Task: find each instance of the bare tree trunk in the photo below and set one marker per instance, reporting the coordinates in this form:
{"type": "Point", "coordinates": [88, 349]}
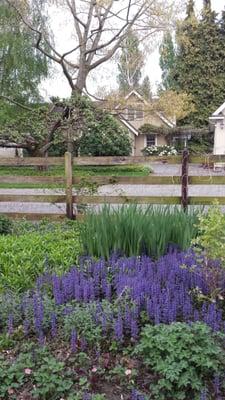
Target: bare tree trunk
{"type": "Point", "coordinates": [38, 153]}
{"type": "Point", "coordinates": [81, 79]}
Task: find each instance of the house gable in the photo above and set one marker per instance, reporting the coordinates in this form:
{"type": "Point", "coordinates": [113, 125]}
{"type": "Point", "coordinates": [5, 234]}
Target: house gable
{"type": "Point", "coordinates": [218, 116]}
{"type": "Point", "coordinates": [219, 111]}
{"type": "Point", "coordinates": [148, 116]}
{"type": "Point", "coordinates": [140, 114]}
{"type": "Point", "coordinates": [135, 97]}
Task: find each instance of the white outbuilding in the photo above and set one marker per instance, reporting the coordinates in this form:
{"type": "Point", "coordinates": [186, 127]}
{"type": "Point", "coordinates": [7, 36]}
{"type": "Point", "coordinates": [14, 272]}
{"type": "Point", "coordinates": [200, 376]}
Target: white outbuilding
{"type": "Point", "coordinates": [218, 120]}
{"type": "Point", "coordinates": [6, 152]}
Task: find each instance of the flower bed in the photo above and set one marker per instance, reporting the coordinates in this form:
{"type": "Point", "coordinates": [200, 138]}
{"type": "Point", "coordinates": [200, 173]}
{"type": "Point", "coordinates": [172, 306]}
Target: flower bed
{"type": "Point", "coordinates": [97, 311]}
{"type": "Point", "coordinates": [163, 150]}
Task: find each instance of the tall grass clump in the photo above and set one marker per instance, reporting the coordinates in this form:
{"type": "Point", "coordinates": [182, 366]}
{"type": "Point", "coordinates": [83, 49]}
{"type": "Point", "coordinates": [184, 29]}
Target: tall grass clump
{"type": "Point", "coordinates": [133, 230]}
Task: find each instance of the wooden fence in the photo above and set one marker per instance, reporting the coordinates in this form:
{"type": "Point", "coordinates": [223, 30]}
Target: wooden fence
{"type": "Point", "coordinates": [69, 180]}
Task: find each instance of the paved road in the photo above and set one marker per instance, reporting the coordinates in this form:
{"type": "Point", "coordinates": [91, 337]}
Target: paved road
{"type": "Point", "coordinates": [172, 169]}
{"type": "Point", "coordinates": [139, 190]}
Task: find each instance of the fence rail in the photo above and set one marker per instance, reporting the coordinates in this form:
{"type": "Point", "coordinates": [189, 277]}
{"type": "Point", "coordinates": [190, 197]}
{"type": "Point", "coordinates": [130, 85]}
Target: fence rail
{"type": "Point", "coordinates": [69, 180]}
{"type": "Point", "coordinates": [117, 160]}
{"type": "Point", "coordinates": [111, 180]}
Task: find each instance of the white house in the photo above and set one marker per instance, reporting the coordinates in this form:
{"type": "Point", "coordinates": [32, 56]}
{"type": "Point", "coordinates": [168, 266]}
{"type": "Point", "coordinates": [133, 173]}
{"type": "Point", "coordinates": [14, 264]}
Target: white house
{"type": "Point", "coordinates": [218, 120]}
{"type": "Point", "coordinates": [10, 152]}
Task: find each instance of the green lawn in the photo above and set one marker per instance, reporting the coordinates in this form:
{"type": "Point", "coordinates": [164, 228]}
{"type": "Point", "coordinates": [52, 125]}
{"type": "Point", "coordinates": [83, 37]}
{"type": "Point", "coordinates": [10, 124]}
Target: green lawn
{"type": "Point", "coordinates": [83, 171]}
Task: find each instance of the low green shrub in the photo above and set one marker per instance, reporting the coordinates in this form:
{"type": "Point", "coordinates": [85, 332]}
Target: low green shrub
{"type": "Point", "coordinates": [184, 357]}
{"type": "Point", "coordinates": [48, 376]}
{"type": "Point", "coordinates": [36, 373]}
{"type": "Point", "coordinates": [134, 230]}
{"type": "Point", "coordinates": [26, 256]}
{"type": "Point", "coordinates": [211, 236]}
{"type": "Point", "coordinates": [5, 225]}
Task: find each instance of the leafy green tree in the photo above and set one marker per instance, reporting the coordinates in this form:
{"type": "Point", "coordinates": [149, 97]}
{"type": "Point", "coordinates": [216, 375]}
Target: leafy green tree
{"type": "Point", "coordinates": [104, 136]}
{"type": "Point", "coordinates": [199, 68]}
{"type": "Point", "coordinates": [167, 60]}
{"type": "Point", "coordinates": [21, 66]}
{"type": "Point", "coordinates": [130, 64]}
{"type": "Point", "coordinates": [21, 71]}
{"type": "Point", "coordinates": [66, 125]}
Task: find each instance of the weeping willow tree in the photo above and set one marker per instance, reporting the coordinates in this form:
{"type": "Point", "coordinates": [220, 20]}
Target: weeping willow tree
{"type": "Point", "coordinates": [21, 66]}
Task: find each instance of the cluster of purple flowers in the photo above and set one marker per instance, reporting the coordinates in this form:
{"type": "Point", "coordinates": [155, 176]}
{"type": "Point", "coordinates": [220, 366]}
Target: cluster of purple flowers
{"type": "Point", "coordinates": [165, 290]}
{"type": "Point", "coordinates": [135, 395]}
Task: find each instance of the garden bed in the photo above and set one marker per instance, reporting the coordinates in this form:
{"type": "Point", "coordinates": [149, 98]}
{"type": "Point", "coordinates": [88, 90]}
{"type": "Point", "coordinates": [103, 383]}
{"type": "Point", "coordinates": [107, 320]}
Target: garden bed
{"type": "Point", "coordinates": [108, 325]}
{"type": "Point", "coordinates": [81, 333]}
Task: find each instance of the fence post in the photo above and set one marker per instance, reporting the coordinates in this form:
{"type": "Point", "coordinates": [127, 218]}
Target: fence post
{"type": "Point", "coordinates": [69, 184]}
{"type": "Point", "coordinates": [184, 180]}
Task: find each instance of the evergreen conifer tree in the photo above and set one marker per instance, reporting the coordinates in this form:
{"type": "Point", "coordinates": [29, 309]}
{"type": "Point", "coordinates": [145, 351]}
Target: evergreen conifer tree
{"type": "Point", "coordinates": [199, 64]}
{"type": "Point", "coordinates": [145, 88]}
{"type": "Point", "coordinates": [167, 59]}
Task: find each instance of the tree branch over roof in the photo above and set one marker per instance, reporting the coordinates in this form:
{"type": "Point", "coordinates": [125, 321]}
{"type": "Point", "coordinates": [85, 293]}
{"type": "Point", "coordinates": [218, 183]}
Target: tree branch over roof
{"type": "Point", "coordinates": [178, 130]}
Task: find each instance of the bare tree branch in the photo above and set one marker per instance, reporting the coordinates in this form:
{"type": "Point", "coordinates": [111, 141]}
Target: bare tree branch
{"type": "Point", "coordinates": [100, 28]}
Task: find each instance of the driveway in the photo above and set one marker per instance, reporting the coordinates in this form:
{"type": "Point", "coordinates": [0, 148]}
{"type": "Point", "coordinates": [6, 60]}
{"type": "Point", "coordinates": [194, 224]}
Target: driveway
{"type": "Point", "coordinates": [175, 170]}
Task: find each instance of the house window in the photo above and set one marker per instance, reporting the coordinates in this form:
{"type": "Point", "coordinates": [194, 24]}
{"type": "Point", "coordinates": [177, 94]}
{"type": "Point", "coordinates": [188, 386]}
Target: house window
{"type": "Point", "coordinates": [150, 140]}
{"type": "Point", "coordinates": [130, 114]}
{"type": "Point", "coordinates": [133, 114]}
{"type": "Point", "coordinates": [139, 114]}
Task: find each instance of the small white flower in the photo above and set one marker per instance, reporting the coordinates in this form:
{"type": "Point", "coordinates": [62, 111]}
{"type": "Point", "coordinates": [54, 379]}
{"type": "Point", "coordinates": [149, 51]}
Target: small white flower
{"type": "Point", "coordinates": [128, 372]}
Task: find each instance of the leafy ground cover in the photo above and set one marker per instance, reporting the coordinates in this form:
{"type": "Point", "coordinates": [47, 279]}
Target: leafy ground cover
{"type": "Point", "coordinates": [134, 327]}
{"type": "Point", "coordinates": [32, 249]}
{"type": "Point", "coordinates": [83, 171]}
{"type": "Point", "coordinates": [134, 230]}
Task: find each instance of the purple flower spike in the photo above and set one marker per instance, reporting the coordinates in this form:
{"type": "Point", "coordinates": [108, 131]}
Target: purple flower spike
{"type": "Point", "coordinates": [83, 344]}
{"type": "Point", "coordinates": [87, 396]}
{"type": "Point", "coordinates": [134, 394]}
{"type": "Point", "coordinates": [216, 384]}
{"type": "Point", "coordinates": [118, 328]}
{"type": "Point", "coordinates": [38, 310]}
{"type": "Point", "coordinates": [73, 341]}
{"type": "Point", "coordinates": [203, 395]}
{"type": "Point", "coordinates": [10, 324]}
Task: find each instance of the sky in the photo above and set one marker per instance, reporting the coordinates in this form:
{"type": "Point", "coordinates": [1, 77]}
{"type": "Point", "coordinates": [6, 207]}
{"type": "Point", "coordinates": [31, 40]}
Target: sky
{"type": "Point", "coordinates": [106, 75]}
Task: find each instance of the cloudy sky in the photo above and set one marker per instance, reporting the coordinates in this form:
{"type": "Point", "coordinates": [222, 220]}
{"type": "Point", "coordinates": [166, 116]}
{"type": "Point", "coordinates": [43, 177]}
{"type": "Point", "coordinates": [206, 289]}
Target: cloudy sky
{"type": "Point", "coordinates": [58, 86]}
